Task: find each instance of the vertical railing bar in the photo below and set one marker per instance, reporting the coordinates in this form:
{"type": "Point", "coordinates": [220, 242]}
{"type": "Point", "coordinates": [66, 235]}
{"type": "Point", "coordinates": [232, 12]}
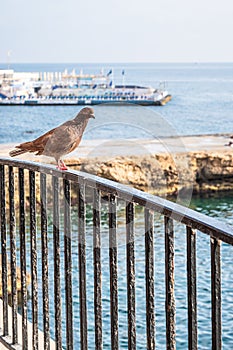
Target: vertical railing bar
{"type": "Point", "coordinates": [97, 268]}
{"type": "Point", "coordinates": [170, 283]}
{"type": "Point", "coordinates": [82, 265]}
{"type": "Point", "coordinates": [191, 288]}
{"type": "Point", "coordinates": [13, 255]}
{"type": "Point", "coordinates": [4, 251]}
{"type": "Point", "coordinates": [68, 265]}
{"type": "Point", "coordinates": [130, 275]}
{"type": "Point", "coordinates": [44, 255]}
{"type": "Point", "coordinates": [113, 272]}
{"type": "Point", "coordinates": [33, 260]}
{"type": "Point", "coordinates": [216, 293]}
{"type": "Point", "coordinates": [57, 263]}
{"type": "Point", "coordinates": [23, 257]}
{"type": "Point", "coordinates": [149, 272]}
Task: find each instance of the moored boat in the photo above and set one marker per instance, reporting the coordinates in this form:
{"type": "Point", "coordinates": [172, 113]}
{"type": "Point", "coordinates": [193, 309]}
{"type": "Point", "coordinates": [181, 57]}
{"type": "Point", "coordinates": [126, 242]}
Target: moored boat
{"type": "Point", "coordinates": [75, 89]}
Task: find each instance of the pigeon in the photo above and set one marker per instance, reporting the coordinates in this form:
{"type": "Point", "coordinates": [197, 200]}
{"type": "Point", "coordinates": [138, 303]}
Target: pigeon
{"type": "Point", "coordinates": [59, 141]}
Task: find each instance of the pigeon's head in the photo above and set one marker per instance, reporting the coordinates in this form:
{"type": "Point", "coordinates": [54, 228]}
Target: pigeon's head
{"type": "Point", "coordinates": [85, 114]}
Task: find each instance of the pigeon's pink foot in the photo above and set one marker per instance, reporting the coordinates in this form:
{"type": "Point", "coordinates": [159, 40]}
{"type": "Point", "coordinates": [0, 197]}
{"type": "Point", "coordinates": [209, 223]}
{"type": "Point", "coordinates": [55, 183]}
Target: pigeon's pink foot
{"type": "Point", "coordinates": [61, 165]}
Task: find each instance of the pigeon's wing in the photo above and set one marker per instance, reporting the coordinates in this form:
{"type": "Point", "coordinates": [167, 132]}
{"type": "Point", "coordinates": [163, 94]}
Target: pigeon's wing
{"type": "Point", "coordinates": [42, 143]}
{"type": "Point", "coordinates": [42, 140]}
{"type": "Point", "coordinates": [39, 144]}
{"type": "Point", "coordinates": [62, 141]}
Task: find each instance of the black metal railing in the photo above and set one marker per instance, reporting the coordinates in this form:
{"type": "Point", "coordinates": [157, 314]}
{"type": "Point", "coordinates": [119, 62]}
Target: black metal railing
{"type": "Point", "coordinates": [45, 215]}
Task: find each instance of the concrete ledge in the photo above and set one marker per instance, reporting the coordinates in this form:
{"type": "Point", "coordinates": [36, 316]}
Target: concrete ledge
{"type": "Point", "coordinates": [6, 341]}
{"type": "Point", "coordinates": [127, 147]}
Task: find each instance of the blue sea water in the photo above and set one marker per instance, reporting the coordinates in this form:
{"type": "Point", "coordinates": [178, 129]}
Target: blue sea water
{"type": "Point", "coordinates": [202, 104]}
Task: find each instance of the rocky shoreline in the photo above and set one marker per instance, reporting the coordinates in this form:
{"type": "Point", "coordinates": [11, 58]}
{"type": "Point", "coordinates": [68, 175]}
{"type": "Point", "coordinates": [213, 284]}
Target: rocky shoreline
{"type": "Point", "coordinates": [160, 174]}
{"type": "Point", "coordinates": [161, 166]}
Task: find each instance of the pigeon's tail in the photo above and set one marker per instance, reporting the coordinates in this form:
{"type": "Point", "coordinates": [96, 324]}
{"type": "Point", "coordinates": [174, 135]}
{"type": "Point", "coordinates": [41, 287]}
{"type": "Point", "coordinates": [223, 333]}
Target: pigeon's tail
{"type": "Point", "coordinates": [22, 148]}
{"type": "Point", "coordinates": [17, 152]}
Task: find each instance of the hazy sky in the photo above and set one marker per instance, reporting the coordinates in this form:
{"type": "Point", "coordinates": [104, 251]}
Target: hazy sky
{"type": "Point", "coordinates": [116, 31]}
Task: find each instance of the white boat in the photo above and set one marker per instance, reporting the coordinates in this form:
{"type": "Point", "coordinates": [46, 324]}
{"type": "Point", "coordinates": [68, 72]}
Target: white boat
{"type": "Point", "coordinates": [73, 89]}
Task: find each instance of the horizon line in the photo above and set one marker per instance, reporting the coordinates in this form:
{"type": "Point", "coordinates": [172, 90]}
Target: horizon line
{"type": "Point", "coordinates": [126, 62]}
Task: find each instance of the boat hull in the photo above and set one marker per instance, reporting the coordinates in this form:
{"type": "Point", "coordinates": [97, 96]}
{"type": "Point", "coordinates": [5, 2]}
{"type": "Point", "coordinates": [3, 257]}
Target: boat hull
{"type": "Point", "coordinates": [84, 102]}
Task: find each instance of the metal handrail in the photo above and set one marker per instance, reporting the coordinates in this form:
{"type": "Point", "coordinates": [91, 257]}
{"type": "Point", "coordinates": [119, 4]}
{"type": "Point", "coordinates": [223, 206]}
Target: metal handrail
{"type": "Point", "coordinates": [189, 217]}
{"type": "Point", "coordinates": [192, 220]}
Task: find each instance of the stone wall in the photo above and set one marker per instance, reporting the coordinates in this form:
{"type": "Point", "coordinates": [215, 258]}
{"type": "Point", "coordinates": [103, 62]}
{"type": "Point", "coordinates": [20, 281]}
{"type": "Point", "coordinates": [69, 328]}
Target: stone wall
{"type": "Point", "coordinates": [166, 174]}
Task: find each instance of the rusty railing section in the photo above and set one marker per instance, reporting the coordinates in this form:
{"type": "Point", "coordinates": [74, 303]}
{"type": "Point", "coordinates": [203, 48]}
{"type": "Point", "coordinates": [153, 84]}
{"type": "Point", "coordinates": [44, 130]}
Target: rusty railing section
{"type": "Point", "coordinates": [40, 210]}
